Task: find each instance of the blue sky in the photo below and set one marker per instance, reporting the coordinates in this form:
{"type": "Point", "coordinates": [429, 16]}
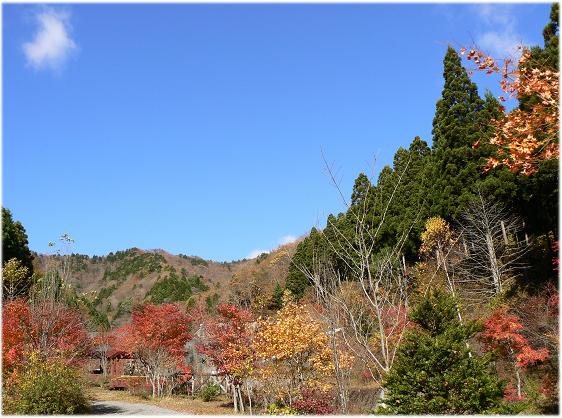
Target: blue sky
{"type": "Point", "coordinates": [199, 128]}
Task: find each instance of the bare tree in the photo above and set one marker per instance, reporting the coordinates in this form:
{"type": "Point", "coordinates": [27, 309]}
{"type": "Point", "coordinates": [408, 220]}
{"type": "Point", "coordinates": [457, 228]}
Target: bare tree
{"type": "Point", "coordinates": [491, 254]}
{"type": "Point", "coordinates": [326, 282]}
{"type": "Point", "coordinates": [369, 304]}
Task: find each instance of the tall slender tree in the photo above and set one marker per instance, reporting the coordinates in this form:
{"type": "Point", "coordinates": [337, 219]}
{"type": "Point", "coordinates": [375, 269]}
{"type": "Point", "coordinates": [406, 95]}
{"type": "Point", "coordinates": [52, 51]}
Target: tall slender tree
{"type": "Point", "coordinates": [461, 119]}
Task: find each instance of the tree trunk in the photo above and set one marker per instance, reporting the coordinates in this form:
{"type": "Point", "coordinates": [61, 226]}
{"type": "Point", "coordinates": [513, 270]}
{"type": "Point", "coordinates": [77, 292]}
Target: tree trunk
{"type": "Point", "coordinates": [234, 397]}
{"type": "Point", "coordinates": [240, 398]}
{"type": "Point", "coordinates": [493, 264]}
{"type": "Point", "coordinates": [249, 397]}
{"type": "Point", "coordinates": [153, 383]}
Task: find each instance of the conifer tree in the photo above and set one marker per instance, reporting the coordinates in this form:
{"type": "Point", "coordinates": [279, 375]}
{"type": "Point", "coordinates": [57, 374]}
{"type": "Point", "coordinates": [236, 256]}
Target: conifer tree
{"type": "Point", "coordinates": [361, 190]}
{"type": "Point", "coordinates": [461, 119]}
{"type": "Point", "coordinates": [277, 297]}
{"type": "Point", "coordinates": [410, 205]}
{"type": "Point", "coordinates": [434, 373]}
{"type": "Point", "coordinates": [15, 246]}
{"type": "Point", "coordinates": [297, 282]}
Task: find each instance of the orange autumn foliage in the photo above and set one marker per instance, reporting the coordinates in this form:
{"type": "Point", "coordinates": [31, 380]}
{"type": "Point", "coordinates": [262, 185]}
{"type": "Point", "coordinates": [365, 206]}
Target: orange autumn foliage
{"type": "Point", "coordinates": [229, 345]}
{"type": "Point", "coordinates": [523, 137]}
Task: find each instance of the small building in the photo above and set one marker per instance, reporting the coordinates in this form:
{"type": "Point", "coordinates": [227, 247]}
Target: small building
{"type": "Point", "coordinates": [124, 371]}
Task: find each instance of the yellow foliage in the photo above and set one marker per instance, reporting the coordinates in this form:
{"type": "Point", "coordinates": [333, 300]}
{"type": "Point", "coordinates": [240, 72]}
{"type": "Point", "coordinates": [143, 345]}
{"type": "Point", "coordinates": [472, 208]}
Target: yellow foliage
{"type": "Point", "coordinates": [294, 351]}
{"type": "Point", "coordinates": [437, 235]}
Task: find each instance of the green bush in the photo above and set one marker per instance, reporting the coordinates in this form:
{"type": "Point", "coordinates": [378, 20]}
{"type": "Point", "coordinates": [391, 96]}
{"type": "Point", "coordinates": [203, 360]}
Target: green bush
{"type": "Point", "coordinates": [209, 392]}
{"type": "Point", "coordinates": [45, 387]}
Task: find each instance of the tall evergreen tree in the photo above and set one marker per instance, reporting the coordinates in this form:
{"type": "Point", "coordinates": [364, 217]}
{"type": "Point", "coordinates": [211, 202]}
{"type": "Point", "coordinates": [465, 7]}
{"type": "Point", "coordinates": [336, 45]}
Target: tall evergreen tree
{"type": "Point", "coordinates": [361, 190]}
{"type": "Point", "coordinates": [303, 259]}
{"type": "Point", "coordinates": [410, 205]}
{"type": "Point", "coordinates": [434, 372]}
{"type": "Point", "coordinates": [461, 119]}
{"type": "Point", "coordinates": [14, 241]}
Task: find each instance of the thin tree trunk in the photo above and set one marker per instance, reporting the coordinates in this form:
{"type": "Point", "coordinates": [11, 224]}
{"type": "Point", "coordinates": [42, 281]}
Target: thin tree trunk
{"type": "Point", "coordinates": [249, 397]}
{"type": "Point", "coordinates": [240, 398]}
{"type": "Point", "coordinates": [234, 397]}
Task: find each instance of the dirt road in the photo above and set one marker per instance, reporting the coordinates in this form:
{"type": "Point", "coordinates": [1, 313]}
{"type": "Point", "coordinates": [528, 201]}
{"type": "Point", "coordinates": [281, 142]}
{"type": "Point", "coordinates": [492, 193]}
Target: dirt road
{"type": "Point", "coordinates": [127, 408]}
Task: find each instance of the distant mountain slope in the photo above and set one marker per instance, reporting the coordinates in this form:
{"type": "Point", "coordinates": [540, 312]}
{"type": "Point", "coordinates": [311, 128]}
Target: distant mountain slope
{"type": "Point", "coordinates": [116, 282]}
{"type": "Point", "coordinates": [133, 276]}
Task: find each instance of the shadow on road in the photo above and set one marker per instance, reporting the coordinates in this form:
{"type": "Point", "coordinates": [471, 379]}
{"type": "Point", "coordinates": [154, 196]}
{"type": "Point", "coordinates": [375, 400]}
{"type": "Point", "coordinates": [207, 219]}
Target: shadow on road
{"type": "Point", "coordinates": [100, 409]}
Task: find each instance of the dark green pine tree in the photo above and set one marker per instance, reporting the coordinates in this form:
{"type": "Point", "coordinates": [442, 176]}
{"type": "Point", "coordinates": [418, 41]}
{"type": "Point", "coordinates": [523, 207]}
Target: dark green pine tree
{"type": "Point", "coordinates": [277, 297]}
{"type": "Point", "coordinates": [409, 208]}
{"type": "Point", "coordinates": [15, 244]}
{"type": "Point", "coordinates": [433, 372]}
{"type": "Point", "coordinates": [303, 259]}
{"type": "Point", "coordinates": [461, 120]}
{"type": "Point", "coordinates": [361, 190]}
{"type": "Point", "coordinates": [14, 241]}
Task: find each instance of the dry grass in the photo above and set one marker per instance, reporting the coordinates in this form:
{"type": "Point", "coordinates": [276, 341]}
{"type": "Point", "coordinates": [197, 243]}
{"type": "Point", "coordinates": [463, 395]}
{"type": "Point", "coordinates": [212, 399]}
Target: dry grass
{"type": "Point", "coordinates": [183, 404]}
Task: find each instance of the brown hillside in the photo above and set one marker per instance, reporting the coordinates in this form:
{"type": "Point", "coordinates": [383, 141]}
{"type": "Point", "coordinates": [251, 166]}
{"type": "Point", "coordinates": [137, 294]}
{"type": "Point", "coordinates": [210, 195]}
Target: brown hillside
{"type": "Point", "coordinates": [116, 282]}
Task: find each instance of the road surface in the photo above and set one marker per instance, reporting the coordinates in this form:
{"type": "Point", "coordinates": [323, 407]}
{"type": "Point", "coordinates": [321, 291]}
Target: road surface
{"type": "Point", "coordinates": [127, 408]}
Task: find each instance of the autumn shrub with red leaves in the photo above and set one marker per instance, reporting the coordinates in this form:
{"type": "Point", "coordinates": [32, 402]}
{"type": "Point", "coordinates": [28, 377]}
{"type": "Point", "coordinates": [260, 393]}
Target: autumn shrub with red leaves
{"type": "Point", "coordinates": [15, 320]}
{"type": "Point", "coordinates": [502, 332]}
{"type": "Point", "coordinates": [315, 402]}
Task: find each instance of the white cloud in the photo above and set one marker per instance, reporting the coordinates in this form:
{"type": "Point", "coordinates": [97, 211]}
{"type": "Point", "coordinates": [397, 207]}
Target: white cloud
{"type": "Point", "coordinates": [500, 37]}
{"type": "Point", "coordinates": [500, 44]}
{"type": "Point", "coordinates": [52, 44]}
{"type": "Point", "coordinates": [255, 253]}
{"type": "Point", "coordinates": [287, 239]}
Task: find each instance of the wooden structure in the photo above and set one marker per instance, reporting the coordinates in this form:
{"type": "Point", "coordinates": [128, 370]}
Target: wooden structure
{"type": "Point", "coordinates": [121, 371]}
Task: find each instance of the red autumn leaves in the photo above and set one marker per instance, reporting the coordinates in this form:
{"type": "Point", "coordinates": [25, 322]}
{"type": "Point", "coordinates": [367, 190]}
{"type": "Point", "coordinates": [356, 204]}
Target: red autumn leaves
{"type": "Point", "coordinates": [503, 332]}
{"type": "Point", "coordinates": [48, 328]}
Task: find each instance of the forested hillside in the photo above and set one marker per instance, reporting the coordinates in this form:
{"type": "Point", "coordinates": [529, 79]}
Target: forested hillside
{"type": "Point", "coordinates": [112, 285]}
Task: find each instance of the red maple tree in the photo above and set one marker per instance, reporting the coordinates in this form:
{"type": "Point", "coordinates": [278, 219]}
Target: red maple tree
{"type": "Point", "coordinates": [229, 340]}
{"type": "Point", "coordinates": [15, 322]}
{"type": "Point", "coordinates": [48, 328]}
{"type": "Point", "coordinates": [156, 336]}
{"type": "Point", "coordinates": [503, 334]}
{"type": "Point", "coordinates": [229, 345]}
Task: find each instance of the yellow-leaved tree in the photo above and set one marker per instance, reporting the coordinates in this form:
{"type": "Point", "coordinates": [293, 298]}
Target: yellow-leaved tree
{"type": "Point", "coordinates": [294, 353]}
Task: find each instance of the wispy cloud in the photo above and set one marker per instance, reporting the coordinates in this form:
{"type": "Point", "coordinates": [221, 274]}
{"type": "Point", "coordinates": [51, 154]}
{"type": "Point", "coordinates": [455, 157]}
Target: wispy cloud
{"type": "Point", "coordinates": [52, 44]}
{"type": "Point", "coordinates": [287, 239]}
{"type": "Point", "coordinates": [500, 37]}
{"type": "Point", "coordinates": [255, 253]}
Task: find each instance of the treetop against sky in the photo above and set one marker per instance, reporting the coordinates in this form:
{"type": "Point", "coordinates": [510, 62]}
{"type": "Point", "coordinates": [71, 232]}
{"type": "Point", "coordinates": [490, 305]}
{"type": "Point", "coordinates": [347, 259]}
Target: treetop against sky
{"type": "Point", "coordinates": [199, 128]}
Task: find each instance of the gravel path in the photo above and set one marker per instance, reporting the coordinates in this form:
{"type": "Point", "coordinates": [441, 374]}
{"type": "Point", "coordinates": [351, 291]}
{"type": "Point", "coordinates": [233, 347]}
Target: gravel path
{"type": "Point", "coordinates": [126, 408]}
